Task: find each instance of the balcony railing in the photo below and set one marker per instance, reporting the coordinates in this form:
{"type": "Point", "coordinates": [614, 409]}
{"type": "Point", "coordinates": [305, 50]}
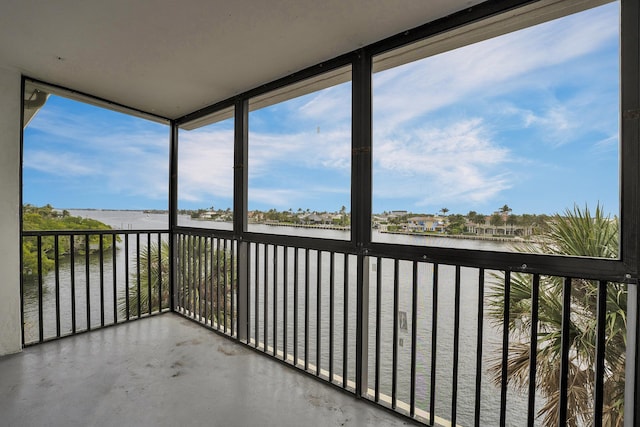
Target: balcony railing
{"type": "Point", "coordinates": [86, 280]}
{"type": "Point", "coordinates": [441, 343]}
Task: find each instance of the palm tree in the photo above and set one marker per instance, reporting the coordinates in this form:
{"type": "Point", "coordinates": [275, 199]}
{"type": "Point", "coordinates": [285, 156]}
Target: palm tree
{"type": "Point", "coordinates": [158, 258]}
{"type": "Point", "coordinates": [577, 233]}
{"type": "Point", "coordinates": [444, 211]}
{"type": "Point", "coordinates": [200, 282]}
{"type": "Point", "coordinates": [505, 211]}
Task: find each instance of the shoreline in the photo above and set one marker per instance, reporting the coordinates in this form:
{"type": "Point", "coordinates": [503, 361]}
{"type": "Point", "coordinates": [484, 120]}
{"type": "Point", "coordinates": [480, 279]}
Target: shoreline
{"type": "Point", "coordinates": [404, 233]}
{"type": "Point", "coordinates": [459, 236]}
{"type": "Point", "coordinates": [317, 226]}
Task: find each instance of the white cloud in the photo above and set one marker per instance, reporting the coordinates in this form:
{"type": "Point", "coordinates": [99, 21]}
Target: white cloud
{"type": "Point", "coordinates": [282, 198]}
{"type": "Point", "coordinates": [329, 149]}
{"type": "Point", "coordinates": [330, 105]}
{"type": "Point", "coordinates": [105, 153]}
{"type": "Point", "coordinates": [59, 164]}
{"type": "Point", "coordinates": [430, 156]}
{"type": "Point", "coordinates": [205, 165]}
{"type": "Point", "coordinates": [436, 165]}
{"type": "Point", "coordinates": [497, 66]}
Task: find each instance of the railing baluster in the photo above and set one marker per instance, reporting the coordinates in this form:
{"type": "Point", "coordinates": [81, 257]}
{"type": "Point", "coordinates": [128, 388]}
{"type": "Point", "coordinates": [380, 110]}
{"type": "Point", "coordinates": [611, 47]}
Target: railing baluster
{"type": "Point", "coordinates": [126, 273]}
{"type": "Point", "coordinates": [285, 301]}
{"type": "Point", "coordinates": [181, 264]}
{"type": "Point", "coordinates": [434, 341]}
{"type": "Point", "coordinates": [414, 334]}
{"type": "Point", "coordinates": [456, 348]}
{"type": "Point", "coordinates": [378, 325]}
{"type": "Point", "coordinates": [394, 342]}
{"type": "Point", "coordinates": [188, 293]}
{"type": "Point", "coordinates": [275, 300]}
{"type": "Point", "coordinates": [566, 344]}
{"type": "Point", "coordinates": [56, 251]}
{"type": "Point", "coordinates": [248, 266]}
{"type": "Point", "coordinates": [201, 256]}
{"type": "Point", "coordinates": [318, 310]}
{"type": "Point", "coordinates": [72, 277]}
{"type": "Point", "coordinates": [533, 350]}
{"type": "Point", "coordinates": [295, 306]}
{"type": "Point", "coordinates": [40, 293]}
{"type": "Point", "coordinates": [198, 280]}
{"type": "Point", "coordinates": [345, 321]}
{"type": "Point", "coordinates": [265, 298]}
{"type": "Point", "coordinates": [306, 309]}
{"type": "Point", "coordinates": [159, 274]}
{"type": "Point", "coordinates": [224, 287]}
{"type": "Point", "coordinates": [265, 301]}
{"type": "Point", "coordinates": [233, 314]}
{"type": "Point", "coordinates": [601, 323]}
{"type": "Point", "coordinates": [218, 280]}
{"type": "Point", "coordinates": [331, 311]}
{"type": "Point", "coordinates": [192, 275]}
{"type": "Point", "coordinates": [257, 296]}
{"type": "Point", "coordinates": [138, 276]}
{"type": "Point", "coordinates": [479, 336]}
{"type": "Point", "coordinates": [101, 249]}
{"type": "Point", "coordinates": [114, 262]}
{"type": "Point", "coordinates": [208, 247]}
{"type": "Point", "coordinates": [505, 348]}
{"type": "Point", "coordinates": [87, 281]}
{"type": "Point", "coordinates": [215, 282]}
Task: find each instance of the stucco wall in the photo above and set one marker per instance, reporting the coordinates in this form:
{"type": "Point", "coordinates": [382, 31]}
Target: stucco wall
{"type": "Point", "coordinates": [10, 339]}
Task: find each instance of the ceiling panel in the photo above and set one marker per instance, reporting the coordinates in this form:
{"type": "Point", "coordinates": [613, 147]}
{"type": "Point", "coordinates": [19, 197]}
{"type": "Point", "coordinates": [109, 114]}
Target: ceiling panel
{"type": "Point", "coordinates": [173, 57]}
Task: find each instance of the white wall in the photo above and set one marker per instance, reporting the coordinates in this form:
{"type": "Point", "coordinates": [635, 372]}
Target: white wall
{"type": "Point", "coordinates": [10, 338]}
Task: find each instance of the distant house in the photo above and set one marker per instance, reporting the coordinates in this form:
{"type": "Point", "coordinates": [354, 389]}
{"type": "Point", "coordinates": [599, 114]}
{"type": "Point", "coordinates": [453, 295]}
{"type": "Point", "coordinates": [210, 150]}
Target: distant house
{"type": "Point", "coordinates": [314, 219]}
{"type": "Point", "coordinates": [255, 216]}
{"type": "Point", "coordinates": [424, 223]}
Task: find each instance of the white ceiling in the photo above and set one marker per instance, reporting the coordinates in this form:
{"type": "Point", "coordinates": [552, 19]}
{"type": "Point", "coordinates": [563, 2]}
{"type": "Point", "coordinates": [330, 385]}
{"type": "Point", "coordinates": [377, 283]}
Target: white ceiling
{"type": "Point", "coordinates": [172, 57]}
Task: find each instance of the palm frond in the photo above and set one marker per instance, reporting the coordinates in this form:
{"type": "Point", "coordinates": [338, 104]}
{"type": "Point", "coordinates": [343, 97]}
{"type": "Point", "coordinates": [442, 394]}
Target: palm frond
{"type": "Point", "coordinates": [577, 233]}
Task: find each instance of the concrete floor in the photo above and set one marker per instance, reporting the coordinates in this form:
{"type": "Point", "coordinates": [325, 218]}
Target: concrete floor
{"type": "Point", "coordinates": [167, 371]}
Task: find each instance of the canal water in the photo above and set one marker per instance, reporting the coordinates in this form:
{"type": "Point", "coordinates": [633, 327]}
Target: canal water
{"type": "Point", "coordinates": [490, 393]}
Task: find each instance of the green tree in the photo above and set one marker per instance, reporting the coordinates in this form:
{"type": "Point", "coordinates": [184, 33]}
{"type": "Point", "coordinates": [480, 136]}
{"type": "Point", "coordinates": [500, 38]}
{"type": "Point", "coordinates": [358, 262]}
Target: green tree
{"type": "Point", "coordinates": [200, 280]}
{"type": "Point", "coordinates": [36, 218]}
{"type": "Point", "coordinates": [456, 224]}
{"type": "Point", "coordinates": [505, 210]}
{"type": "Point", "coordinates": [577, 232]}
{"type": "Point", "coordinates": [495, 220]}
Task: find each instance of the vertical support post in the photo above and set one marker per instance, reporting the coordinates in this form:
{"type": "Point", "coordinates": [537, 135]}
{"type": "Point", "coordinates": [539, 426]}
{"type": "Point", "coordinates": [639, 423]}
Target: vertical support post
{"type": "Point", "coordinates": [632, 368]}
{"type": "Point", "coordinates": [240, 189]}
{"type": "Point", "coordinates": [630, 196]}
{"type": "Point", "coordinates": [173, 213]}
{"type": "Point", "coordinates": [361, 205]}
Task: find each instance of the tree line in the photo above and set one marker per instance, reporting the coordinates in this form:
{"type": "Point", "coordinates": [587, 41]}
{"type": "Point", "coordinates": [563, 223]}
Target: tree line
{"type": "Point", "coordinates": [36, 218]}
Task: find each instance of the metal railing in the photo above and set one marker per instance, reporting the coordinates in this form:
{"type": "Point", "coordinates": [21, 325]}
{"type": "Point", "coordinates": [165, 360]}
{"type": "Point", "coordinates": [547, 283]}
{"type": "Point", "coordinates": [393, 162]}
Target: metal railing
{"type": "Point", "coordinates": [443, 344]}
{"type": "Point", "coordinates": [440, 343]}
{"type": "Point", "coordinates": [77, 281]}
{"type": "Point", "coordinates": [206, 280]}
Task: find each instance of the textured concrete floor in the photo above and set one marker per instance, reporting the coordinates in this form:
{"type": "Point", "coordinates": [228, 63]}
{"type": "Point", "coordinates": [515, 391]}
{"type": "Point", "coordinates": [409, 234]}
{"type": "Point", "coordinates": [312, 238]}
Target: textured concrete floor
{"type": "Point", "coordinates": [166, 371]}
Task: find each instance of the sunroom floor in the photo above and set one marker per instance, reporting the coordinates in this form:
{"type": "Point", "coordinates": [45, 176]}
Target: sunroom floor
{"type": "Point", "coordinates": [167, 371]}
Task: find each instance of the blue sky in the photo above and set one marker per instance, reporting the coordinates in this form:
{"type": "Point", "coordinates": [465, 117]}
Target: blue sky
{"type": "Point", "coordinates": [529, 119]}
